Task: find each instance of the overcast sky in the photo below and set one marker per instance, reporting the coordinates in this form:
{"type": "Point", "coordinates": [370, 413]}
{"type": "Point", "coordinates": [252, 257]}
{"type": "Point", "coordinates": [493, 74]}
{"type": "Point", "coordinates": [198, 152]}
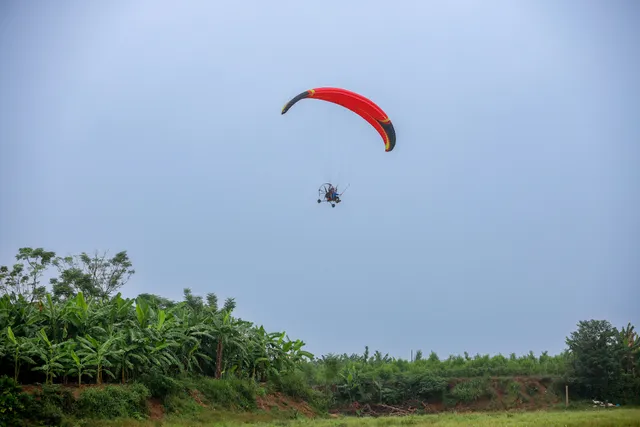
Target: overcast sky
{"type": "Point", "coordinates": [508, 211]}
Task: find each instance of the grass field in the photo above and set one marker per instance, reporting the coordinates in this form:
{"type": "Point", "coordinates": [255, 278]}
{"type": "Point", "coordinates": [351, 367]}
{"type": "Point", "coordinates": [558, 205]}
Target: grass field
{"type": "Point", "coordinates": [586, 418]}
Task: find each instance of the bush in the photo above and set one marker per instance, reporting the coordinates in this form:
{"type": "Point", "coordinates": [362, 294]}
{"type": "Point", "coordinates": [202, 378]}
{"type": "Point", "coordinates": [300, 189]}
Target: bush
{"type": "Point", "coordinates": [427, 385]}
{"type": "Point", "coordinates": [46, 407]}
{"type": "Point", "coordinates": [292, 384]}
{"type": "Point", "coordinates": [471, 390]}
{"type": "Point", "coordinates": [557, 385]}
{"type": "Point", "coordinates": [49, 405]}
{"type": "Point", "coordinates": [229, 393]}
{"type": "Point", "coordinates": [182, 405]}
{"type": "Point", "coordinates": [161, 385]}
{"type": "Point", "coordinates": [514, 389]}
{"type": "Point", "coordinates": [14, 404]}
{"type": "Point", "coordinates": [532, 389]}
{"type": "Point", "coordinates": [114, 401]}
{"type": "Point", "coordinates": [57, 396]}
{"type": "Point", "coordinates": [47, 414]}
{"type": "Point", "coordinates": [320, 401]}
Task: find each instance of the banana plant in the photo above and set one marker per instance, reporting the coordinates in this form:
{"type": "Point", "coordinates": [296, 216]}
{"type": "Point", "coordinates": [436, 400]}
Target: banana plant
{"type": "Point", "coordinates": [192, 357]}
{"type": "Point", "coordinates": [21, 348]}
{"type": "Point", "coordinates": [294, 352]}
{"type": "Point", "coordinates": [351, 381]}
{"type": "Point", "coordinates": [132, 351]}
{"type": "Point", "coordinates": [143, 313]}
{"type": "Point", "coordinates": [79, 365]}
{"type": "Point", "coordinates": [87, 337]}
{"type": "Point", "coordinates": [23, 316]}
{"type": "Point", "coordinates": [119, 310]}
{"type": "Point", "coordinates": [630, 348]}
{"type": "Point", "coordinates": [55, 317]}
{"type": "Point", "coordinates": [226, 335]}
{"type": "Point", "coordinates": [194, 341]}
{"type": "Point", "coordinates": [50, 354]}
{"type": "Point", "coordinates": [100, 354]}
{"type": "Point", "coordinates": [85, 318]}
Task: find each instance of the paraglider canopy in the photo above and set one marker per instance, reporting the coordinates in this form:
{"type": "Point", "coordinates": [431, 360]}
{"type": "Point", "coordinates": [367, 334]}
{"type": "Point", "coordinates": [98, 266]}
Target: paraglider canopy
{"type": "Point", "coordinates": [360, 105]}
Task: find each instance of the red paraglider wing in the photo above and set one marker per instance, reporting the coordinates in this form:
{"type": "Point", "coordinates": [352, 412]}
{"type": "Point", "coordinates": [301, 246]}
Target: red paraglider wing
{"type": "Point", "coordinates": [357, 103]}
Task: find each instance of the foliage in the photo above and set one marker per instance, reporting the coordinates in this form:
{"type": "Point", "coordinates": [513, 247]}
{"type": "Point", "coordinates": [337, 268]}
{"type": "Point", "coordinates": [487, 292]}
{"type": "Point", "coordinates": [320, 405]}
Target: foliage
{"type": "Point", "coordinates": [85, 332]}
{"type": "Point", "coordinates": [95, 275]}
{"type": "Point", "coordinates": [112, 402]}
{"type": "Point", "coordinates": [470, 391]}
{"type": "Point", "coordinates": [24, 280]}
{"type": "Point", "coordinates": [382, 379]}
{"type": "Point", "coordinates": [601, 359]}
{"type": "Point", "coordinates": [12, 403]}
{"type": "Point", "coordinates": [96, 337]}
{"type": "Point", "coordinates": [292, 384]}
{"type": "Point", "coordinates": [230, 393]}
{"type": "Point", "coordinates": [161, 385]}
{"type": "Point", "coordinates": [582, 418]}
{"type": "Point", "coordinates": [181, 405]}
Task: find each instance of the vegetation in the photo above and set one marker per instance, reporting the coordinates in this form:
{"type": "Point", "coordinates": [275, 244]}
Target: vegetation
{"type": "Point", "coordinates": [621, 417]}
{"type": "Point", "coordinates": [100, 356]}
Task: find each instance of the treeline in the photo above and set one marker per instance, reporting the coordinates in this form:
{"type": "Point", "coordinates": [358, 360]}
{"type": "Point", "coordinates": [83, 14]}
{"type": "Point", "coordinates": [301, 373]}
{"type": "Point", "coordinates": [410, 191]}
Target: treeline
{"type": "Point", "coordinates": [600, 362]}
{"type": "Point", "coordinates": [83, 331]}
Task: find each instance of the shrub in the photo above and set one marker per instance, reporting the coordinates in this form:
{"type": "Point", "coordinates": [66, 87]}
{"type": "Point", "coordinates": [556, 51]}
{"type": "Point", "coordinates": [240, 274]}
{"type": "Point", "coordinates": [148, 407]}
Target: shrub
{"type": "Point", "coordinates": [228, 393]}
{"type": "Point", "coordinates": [113, 401]}
{"type": "Point", "coordinates": [182, 405]}
{"type": "Point", "coordinates": [292, 384]}
{"type": "Point", "coordinates": [57, 396]}
{"type": "Point", "coordinates": [558, 384]}
{"type": "Point", "coordinates": [426, 385]}
{"type": "Point", "coordinates": [320, 401]}
{"type": "Point", "coordinates": [532, 389]}
{"type": "Point", "coordinates": [471, 390]}
{"type": "Point", "coordinates": [14, 404]}
{"type": "Point", "coordinates": [161, 385]}
{"type": "Point", "coordinates": [50, 404]}
{"type": "Point", "coordinates": [48, 414]}
{"type": "Point", "coordinates": [514, 389]}
{"type": "Point", "coordinates": [45, 407]}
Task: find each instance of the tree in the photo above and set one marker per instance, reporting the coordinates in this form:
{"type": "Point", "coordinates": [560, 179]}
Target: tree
{"type": "Point", "coordinates": [193, 301]}
{"type": "Point", "coordinates": [595, 361]}
{"type": "Point", "coordinates": [72, 280]}
{"type": "Point", "coordinates": [156, 300]}
{"type": "Point", "coordinates": [96, 276]}
{"type": "Point", "coordinates": [25, 280]}
{"type": "Point", "coordinates": [11, 280]}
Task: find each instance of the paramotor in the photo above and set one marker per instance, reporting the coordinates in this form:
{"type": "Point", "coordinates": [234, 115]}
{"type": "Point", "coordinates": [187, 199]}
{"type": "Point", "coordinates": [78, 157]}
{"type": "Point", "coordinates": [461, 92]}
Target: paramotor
{"type": "Point", "coordinates": [328, 193]}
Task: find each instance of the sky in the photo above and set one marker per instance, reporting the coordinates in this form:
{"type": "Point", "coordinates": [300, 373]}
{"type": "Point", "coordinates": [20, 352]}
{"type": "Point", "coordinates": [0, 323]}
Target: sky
{"type": "Point", "coordinates": [508, 211]}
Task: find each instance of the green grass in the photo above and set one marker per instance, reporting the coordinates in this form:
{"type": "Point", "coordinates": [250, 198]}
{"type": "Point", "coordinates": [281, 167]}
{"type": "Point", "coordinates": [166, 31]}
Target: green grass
{"type": "Point", "coordinates": [582, 418]}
